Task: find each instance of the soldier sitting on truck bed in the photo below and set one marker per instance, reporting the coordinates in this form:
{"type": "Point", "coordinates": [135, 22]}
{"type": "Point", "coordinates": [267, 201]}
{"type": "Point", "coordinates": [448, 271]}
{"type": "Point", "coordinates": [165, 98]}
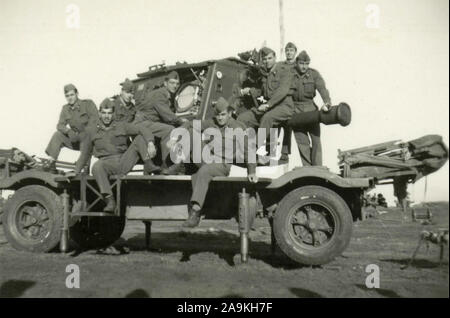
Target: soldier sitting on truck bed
{"type": "Point", "coordinates": [75, 116]}
{"type": "Point", "coordinates": [109, 140]}
{"type": "Point", "coordinates": [305, 83]}
{"type": "Point", "coordinates": [221, 161]}
{"type": "Point", "coordinates": [156, 109]}
{"type": "Point", "coordinates": [276, 88]}
{"type": "Point", "coordinates": [125, 111]}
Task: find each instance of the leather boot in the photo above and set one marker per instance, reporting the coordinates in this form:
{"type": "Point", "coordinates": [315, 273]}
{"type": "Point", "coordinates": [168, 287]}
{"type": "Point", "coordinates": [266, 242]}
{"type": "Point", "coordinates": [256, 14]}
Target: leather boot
{"type": "Point", "coordinates": [110, 204]}
{"type": "Point", "coordinates": [193, 219]}
{"type": "Point", "coordinates": [150, 168]}
{"type": "Point", "coordinates": [175, 169]}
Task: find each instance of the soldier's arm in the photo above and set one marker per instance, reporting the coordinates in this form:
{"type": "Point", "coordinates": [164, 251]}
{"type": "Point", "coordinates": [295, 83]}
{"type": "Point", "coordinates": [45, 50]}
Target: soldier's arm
{"type": "Point", "coordinates": [85, 152]}
{"type": "Point", "coordinates": [162, 106]}
{"type": "Point", "coordinates": [322, 89]}
{"type": "Point", "coordinates": [62, 124]}
{"type": "Point", "coordinates": [284, 88]}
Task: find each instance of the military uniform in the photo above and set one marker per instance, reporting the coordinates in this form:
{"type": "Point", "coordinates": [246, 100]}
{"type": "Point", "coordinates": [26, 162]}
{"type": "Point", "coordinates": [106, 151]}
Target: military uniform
{"type": "Point", "coordinates": [276, 88]}
{"type": "Point", "coordinates": [111, 146]}
{"type": "Point", "coordinates": [72, 122]}
{"type": "Point", "coordinates": [124, 111]}
{"type": "Point", "coordinates": [305, 86]}
{"type": "Point", "coordinates": [156, 111]}
{"type": "Point", "coordinates": [237, 154]}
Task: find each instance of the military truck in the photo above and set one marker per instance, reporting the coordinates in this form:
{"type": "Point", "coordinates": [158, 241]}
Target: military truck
{"type": "Point", "coordinates": [310, 209]}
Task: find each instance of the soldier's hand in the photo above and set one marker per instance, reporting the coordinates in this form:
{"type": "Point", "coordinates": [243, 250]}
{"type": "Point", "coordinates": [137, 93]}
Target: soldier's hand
{"type": "Point", "coordinates": [252, 178]}
{"type": "Point", "coordinates": [73, 136]}
{"type": "Point", "coordinates": [151, 149]}
{"type": "Point", "coordinates": [263, 107]}
{"type": "Point", "coordinates": [245, 91]}
{"type": "Point", "coordinates": [183, 120]}
{"type": "Point", "coordinates": [171, 143]}
{"type": "Point", "coordinates": [325, 108]}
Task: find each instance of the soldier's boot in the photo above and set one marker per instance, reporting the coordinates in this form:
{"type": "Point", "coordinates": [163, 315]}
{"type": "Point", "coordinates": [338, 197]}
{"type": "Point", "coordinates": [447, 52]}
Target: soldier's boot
{"type": "Point", "coordinates": [110, 204]}
{"type": "Point", "coordinates": [150, 168]}
{"type": "Point", "coordinates": [193, 219]}
{"type": "Point", "coordinates": [175, 169]}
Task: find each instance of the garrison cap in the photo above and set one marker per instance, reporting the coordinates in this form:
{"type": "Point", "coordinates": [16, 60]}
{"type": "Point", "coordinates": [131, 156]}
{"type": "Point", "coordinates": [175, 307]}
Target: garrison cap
{"type": "Point", "coordinates": [290, 45]}
{"type": "Point", "coordinates": [127, 86]}
{"type": "Point", "coordinates": [303, 57]}
{"type": "Point", "coordinates": [172, 75]}
{"type": "Point", "coordinates": [107, 103]}
{"type": "Point", "coordinates": [265, 51]}
{"type": "Point", "coordinates": [69, 87]}
{"type": "Point", "coordinates": [221, 105]}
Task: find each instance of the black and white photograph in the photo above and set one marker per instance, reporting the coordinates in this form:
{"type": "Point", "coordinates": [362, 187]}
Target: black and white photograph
{"type": "Point", "coordinates": [224, 154]}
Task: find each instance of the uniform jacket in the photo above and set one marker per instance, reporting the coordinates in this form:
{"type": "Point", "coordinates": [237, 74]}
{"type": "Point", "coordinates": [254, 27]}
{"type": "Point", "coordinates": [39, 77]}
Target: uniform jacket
{"type": "Point", "coordinates": [124, 112]}
{"type": "Point", "coordinates": [305, 86]}
{"type": "Point", "coordinates": [156, 107]}
{"type": "Point", "coordinates": [83, 113]}
{"type": "Point", "coordinates": [107, 141]}
{"type": "Point", "coordinates": [275, 84]}
{"type": "Point", "coordinates": [233, 151]}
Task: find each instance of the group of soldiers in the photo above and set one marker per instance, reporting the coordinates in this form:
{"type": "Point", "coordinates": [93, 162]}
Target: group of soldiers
{"type": "Point", "coordinates": [121, 133]}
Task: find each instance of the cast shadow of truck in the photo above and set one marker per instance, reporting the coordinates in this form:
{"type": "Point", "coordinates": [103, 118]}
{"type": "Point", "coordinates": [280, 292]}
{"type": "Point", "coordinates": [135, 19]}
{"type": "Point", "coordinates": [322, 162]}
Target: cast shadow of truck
{"type": "Point", "coordinates": [221, 243]}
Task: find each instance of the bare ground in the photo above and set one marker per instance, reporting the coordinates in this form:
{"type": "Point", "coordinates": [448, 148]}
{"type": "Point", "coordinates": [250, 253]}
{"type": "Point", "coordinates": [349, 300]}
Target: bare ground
{"type": "Point", "coordinates": [206, 263]}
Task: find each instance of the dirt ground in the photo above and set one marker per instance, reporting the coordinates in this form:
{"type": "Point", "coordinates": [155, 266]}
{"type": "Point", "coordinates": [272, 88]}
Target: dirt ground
{"type": "Point", "coordinates": [206, 263]}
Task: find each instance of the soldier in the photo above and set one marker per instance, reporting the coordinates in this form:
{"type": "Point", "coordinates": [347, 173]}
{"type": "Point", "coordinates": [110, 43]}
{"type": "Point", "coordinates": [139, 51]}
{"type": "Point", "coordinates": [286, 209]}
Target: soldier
{"type": "Point", "coordinates": [290, 50]}
{"type": "Point", "coordinates": [200, 180]}
{"type": "Point", "coordinates": [125, 111]}
{"type": "Point", "coordinates": [75, 116]}
{"type": "Point", "coordinates": [156, 110]}
{"type": "Point", "coordinates": [306, 82]}
{"type": "Point", "coordinates": [108, 140]}
{"type": "Point", "coordinates": [276, 89]}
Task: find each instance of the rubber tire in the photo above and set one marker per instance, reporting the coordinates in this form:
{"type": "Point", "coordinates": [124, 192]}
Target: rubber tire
{"type": "Point", "coordinates": [339, 241]}
{"type": "Point", "coordinates": [52, 203]}
{"type": "Point", "coordinates": [101, 232]}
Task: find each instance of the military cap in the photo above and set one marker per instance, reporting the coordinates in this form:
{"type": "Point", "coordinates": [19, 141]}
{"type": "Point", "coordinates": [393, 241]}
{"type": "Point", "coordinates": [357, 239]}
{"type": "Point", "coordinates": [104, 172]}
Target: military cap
{"type": "Point", "coordinates": [303, 57]}
{"type": "Point", "coordinates": [107, 103]}
{"type": "Point", "coordinates": [69, 87]}
{"type": "Point", "coordinates": [127, 86]}
{"type": "Point", "coordinates": [221, 105]}
{"type": "Point", "coordinates": [172, 75]}
{"type": "Point", "coordinates": [290, 45]}
{"type": "Point", "coordinates": [265, 51]}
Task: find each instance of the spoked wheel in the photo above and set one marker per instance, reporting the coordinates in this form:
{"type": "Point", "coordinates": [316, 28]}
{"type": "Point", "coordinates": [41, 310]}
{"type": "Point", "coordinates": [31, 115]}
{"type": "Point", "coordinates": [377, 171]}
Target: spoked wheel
{"type": "Point", "coordinates": [33, 218]}
{"type": "Point", "coordinates": [312, 225]}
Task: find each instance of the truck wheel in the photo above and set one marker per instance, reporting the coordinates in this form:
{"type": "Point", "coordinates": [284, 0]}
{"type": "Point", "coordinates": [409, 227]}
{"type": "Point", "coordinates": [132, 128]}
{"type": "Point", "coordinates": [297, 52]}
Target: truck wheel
{"type": "Point", "coordinates": [312, 225]}
{"type": "Point", "coordinates": [33, 218]}
{"type": "Point", "coordinates": [97, 232]}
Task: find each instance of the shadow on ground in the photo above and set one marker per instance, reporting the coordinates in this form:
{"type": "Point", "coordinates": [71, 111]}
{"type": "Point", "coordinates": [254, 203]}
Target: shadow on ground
{"type": "Point", "coordinates": [417, 263]}
{"type": "Point", "coordinates": [15, 288]}
{"type": "Point", "coordinates": [380, 291]}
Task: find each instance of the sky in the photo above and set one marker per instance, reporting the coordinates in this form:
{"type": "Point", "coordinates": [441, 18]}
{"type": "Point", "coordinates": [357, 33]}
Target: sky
{"type": "Point", "coordinates": [387, 59]}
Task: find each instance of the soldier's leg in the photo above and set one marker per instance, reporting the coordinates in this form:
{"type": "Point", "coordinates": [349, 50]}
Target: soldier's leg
{"type": "Point", "coordinates": [303, 143]}
{"type": "Point", "coordinates": [137, 149]}
{"type": "Point", "coordinates": [102, 169]}
{"type": "Point", "coordinates": [249, 118]}
{"type": "Point", "coordinates": [202, 178]}
{"type": "Point", "coordinates": [56, 143]}
{"type": "Point", "coordinates": [276, 117]}
{"type": "Point", "coordinates": [162, 131]}
{"type": "Point", "coordinates": [316, 145]}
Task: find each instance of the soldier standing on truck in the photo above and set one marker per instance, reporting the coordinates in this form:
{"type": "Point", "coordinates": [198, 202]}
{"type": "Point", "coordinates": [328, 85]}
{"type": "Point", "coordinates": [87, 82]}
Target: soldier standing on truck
{"type": "Point", "coordinates": [108, 140]}
{"type": "Point", "coordinates": [125, 111]}
{"type": "Point", "coordinates": [222, 160]}
{"type": "Point", "coordinates": [306, 81]}
{"type": "Point", "coordinates": [290, 51]}
{"type": "Point", "coordinates": [278, 106]}
{"type": "Point", "coordinates": [157, 110]}
{"type": "Point", "coordinates": [75, 116]}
